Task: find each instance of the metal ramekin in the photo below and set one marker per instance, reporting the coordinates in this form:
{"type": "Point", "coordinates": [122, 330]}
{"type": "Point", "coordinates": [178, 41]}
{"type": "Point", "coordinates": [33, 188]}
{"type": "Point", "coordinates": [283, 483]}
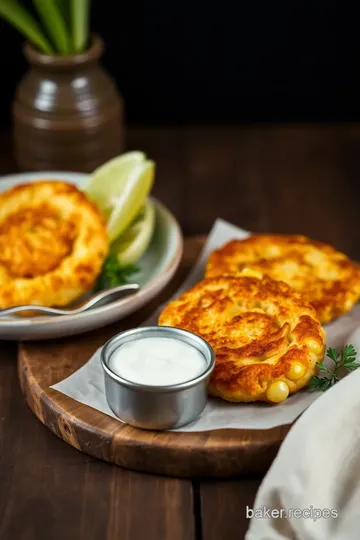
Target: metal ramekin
{"type": "Point", "coordinates": [156, 407]}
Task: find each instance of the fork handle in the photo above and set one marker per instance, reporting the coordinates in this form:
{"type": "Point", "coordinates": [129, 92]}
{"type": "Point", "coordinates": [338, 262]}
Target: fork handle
{"type": "Point", "coordinates": [40, 309]}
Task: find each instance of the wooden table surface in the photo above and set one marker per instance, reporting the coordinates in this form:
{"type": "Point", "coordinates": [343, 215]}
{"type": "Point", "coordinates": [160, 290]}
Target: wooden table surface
{"type": "Point", "coordinates": [291, 179]}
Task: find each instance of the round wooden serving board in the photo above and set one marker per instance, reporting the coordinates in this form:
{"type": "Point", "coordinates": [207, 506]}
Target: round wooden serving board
{"type": "Point", "coordinates": [220, 453]}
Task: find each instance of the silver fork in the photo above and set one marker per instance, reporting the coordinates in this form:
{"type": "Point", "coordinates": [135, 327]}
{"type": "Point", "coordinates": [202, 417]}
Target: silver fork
{"type": "Point", "coordinates": [100, 299]}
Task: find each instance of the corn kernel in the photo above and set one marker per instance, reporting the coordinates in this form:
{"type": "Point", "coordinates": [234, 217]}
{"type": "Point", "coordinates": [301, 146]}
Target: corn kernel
{"type": "Point", "coordinates": [296, 371]}
{"type": "Point", "coordinates": [277, 391]}
{"type": "Point", "coordinates": [314, 346]}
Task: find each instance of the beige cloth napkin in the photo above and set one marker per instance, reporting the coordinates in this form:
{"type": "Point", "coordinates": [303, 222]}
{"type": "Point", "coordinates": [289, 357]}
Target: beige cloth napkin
{"type": "Point", "coordinates": [317, 468]}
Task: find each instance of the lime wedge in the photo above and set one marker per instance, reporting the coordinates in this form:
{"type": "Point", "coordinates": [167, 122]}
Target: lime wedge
{"type": "Point", "coordinates": [133, 243]}
{"type": "Point", "coordinates": [120, 188]}
{"type": "Point", "coordinates": [109, 177]}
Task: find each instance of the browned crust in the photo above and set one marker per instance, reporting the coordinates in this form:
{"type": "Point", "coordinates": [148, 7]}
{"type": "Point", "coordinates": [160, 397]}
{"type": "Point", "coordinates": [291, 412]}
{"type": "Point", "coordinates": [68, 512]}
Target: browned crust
{"type": "Point", "coordinates": [257, 327]}
{"type": "Point", "coordinates": [327, 277]}
{"type": "Point", "coordinates": [53, 242]}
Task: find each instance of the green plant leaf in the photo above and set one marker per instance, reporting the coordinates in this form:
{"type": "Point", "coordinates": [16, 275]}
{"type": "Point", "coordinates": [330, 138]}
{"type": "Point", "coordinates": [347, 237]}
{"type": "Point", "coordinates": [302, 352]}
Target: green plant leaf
{"type": "Point", "coordinates": [21, 19]}
{"type": "Point", "coordinates": [349, 351]}
{"type": "Point", "coordinates": [112, 274]}
{"type": "Point", "coordinates": [319, 383]}
{"type": "Point", "coordinates": [333, 354]}
{"type": "Point", "coordinates": [80, 14]}
{"type": "Point", "coordinates": [347, 359]}
{"type": "Point", "coordinates": [54, 23]}
{"type": "Point", "coordinates": [322, 367]}
{"type": "Point", "coordinates": [351, 365]}
{"type": "Point", "coordinates": [64, 8]}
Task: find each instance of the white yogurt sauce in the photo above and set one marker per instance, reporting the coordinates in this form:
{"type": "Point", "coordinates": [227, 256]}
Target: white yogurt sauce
{"type": "Point", "coordinates": [157, 361]}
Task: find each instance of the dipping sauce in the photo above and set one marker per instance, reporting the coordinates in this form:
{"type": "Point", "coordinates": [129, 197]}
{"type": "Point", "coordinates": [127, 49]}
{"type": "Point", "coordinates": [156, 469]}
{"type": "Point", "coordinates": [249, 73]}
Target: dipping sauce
{"type": "Point", "coordinates": [157, 361]}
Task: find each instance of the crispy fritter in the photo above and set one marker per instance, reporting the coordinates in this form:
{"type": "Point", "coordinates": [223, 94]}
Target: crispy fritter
{"type": "Point", "coordinates": [53, 242]}
{"type": "Point", "coordinates": [266, 337]}
{"type": "Point", "coordinates": [328, 278]}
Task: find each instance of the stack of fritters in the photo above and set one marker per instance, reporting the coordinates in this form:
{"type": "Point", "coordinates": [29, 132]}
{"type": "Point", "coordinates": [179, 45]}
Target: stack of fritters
{"type": "Point", "coordinates": [53, 242]}
{"type": "Point", "coordinates": [261, 306]}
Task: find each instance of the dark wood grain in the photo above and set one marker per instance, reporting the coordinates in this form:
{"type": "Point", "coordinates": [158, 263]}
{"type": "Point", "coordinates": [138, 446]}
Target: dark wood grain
{"type": "Point", "coordinates": [222, 453]}
{"type": "Point", "coordinates": [49, 490]}
{"type": "Point", "coordinates": [293, 178]}
{"type": "Point", "coordinates": [223, 507]}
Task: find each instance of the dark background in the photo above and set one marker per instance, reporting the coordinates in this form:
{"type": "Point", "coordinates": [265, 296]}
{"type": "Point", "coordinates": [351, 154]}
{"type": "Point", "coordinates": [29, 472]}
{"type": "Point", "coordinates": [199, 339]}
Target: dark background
{"type": "Point", "coordinates": [196, 62]}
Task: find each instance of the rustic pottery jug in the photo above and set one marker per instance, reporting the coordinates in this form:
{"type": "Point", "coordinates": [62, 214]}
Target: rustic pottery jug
{"type": "Point", "coordinates": [67, 113]}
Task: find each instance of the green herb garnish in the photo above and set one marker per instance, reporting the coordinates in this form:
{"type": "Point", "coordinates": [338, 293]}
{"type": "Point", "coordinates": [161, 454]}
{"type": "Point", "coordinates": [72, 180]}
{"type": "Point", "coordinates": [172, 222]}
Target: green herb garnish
{"type": "Point", "coordinates": [112, 274]}
{"type": "Point", "coordinates": [345, 359]}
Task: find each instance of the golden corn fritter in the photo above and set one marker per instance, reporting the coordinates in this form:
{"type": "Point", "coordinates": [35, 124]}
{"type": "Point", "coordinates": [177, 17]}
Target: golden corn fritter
{"type": "Point", "coordinates": [266, 337]}
{"type": "Point", "coordinates": [53, 242]}
{"type": "Point", "coordinates": [328, 278]}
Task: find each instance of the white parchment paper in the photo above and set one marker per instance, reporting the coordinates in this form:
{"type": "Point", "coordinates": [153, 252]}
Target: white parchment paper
{"type": "Point", "coordinates": [87, 384]}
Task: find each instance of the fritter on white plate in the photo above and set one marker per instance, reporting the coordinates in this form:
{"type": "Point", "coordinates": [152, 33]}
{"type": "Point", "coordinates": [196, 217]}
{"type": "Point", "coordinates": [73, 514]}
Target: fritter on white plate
{"type": "Point", "coordinates": [53, 242]}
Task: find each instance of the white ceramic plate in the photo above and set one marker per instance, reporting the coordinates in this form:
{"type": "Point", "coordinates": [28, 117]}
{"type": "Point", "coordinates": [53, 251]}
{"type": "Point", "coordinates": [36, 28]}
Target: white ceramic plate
{"type": "Point", "coordinates": [157, 267]}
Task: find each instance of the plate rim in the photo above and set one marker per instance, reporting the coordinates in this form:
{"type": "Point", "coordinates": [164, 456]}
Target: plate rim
{"type": "Point", "coordinates": [28, 323]}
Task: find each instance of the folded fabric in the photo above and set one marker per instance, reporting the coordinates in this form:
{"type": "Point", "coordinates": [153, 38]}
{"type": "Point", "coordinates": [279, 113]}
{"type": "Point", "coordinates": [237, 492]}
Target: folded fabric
{"type": "Point", "coordinates": [312, 490]}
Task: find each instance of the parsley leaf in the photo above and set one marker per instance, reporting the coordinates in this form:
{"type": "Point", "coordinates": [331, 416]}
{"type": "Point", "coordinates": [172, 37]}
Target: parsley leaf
{"type": "Point", "coordinates": [333, 354]}
{"type": "Point", "coordinates": [112, 274]}
{"type": "Point", "coordinates": [347, 358]}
